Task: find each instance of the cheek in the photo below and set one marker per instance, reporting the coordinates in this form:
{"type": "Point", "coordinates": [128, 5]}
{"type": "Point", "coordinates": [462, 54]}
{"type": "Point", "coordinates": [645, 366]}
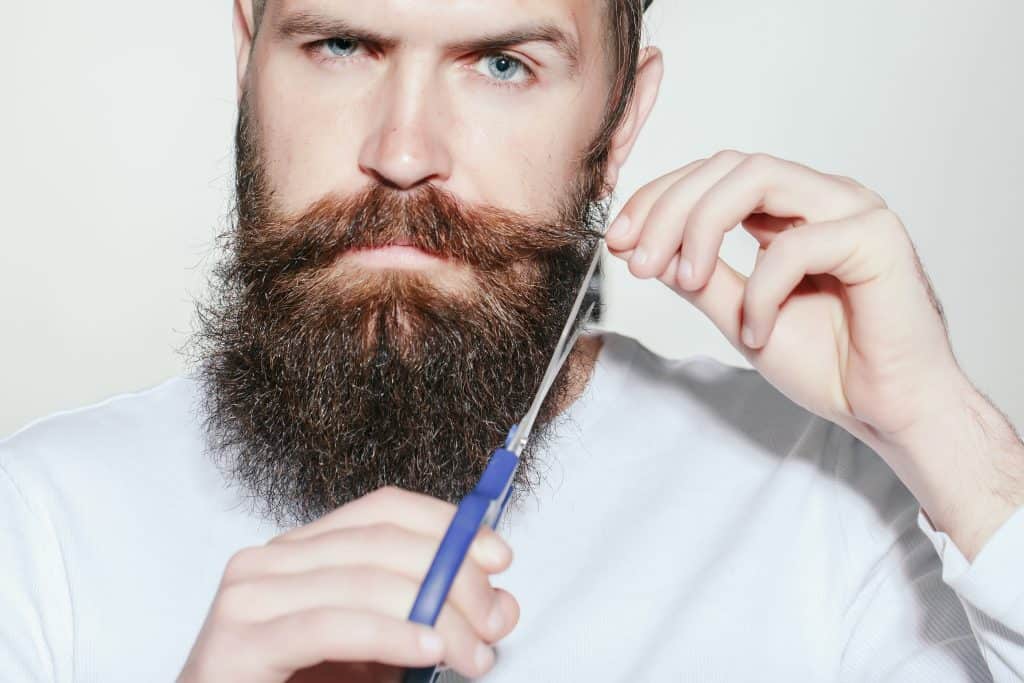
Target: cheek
{"type": "Point", "coordinates": [525, 161]}
{"type": "Point", "coordinates": [308, 139]}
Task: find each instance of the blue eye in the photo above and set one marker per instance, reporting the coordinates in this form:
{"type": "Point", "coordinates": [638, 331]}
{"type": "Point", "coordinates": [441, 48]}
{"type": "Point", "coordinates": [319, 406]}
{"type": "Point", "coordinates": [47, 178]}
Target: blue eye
{"type": "Point", "coordinates": [502, 67]}
{"type": "Point", "coordinates": [341, 47]}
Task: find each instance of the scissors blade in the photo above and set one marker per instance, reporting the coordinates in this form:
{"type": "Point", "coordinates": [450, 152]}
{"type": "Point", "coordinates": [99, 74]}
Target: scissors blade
{"type": "Point", "coordinates": [504, 462]}
{"type": "Point", "coordinates": [566, 341]}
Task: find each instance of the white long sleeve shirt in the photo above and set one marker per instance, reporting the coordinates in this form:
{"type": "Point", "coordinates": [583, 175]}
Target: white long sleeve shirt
{"type": "Point", "coordinates": [692, 524]}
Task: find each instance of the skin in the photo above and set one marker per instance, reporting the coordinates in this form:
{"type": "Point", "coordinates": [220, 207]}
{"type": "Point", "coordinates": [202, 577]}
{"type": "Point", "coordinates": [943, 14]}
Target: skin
{"type": "Point", "coordinates": [841, 318]}
{"type": "Point", "coordinates": [329, 601]}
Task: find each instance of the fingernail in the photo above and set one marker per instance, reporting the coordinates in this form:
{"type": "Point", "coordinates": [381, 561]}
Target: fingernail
{"type": "Point", "coordinates": [619, 227]}
{"type": "Point", "coordinates": [484, 656]}
{"type": "Point", "coordinates": [747, 336]}
{"type": "Point", "coordinates": [431, 643]}
{"type": "Point", "coordinates": [685, 270]}
{"type": "Point", "coordinates": [639, 257]}
{"type": "Point", "coordinates": [496, 619]}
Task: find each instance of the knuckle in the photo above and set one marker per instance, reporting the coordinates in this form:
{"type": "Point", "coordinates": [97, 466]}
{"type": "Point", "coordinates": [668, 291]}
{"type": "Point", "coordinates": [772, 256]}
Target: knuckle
{"type": "Point", "coordinates": [318, 621]}
{"type": "Point", "coordinates": [234, 600]}
{"type": "Point", "coordinates": [362, 579]}
{"type": "Point", "coordinates": [327, 620]}
{"type": "Point", "coordinates": [283, 538]}
{"type": "Point", "coordinates": [386, 533]}
{"type": "Point", "coordinates": [759, 161]}
{"type": "Point", "coordinates": [892, 234]}
{"type": "Point", "coordinates": [373, 630]}
{"type": "Point", "coordinates": [388, 530]}
{"type": "Point", "coordinates": [870, 197]}
{"type": "Point", "coordinates": [846, 180]}
{"type": "Point", "coordinates": [384, 496]}
{"type": "Point", "coordinates": [888, 220]}
{"type": "Point", "coordinates": [243, 563]}
{"type": "Point", "coordinates": [729, 155]}
{"type": "Point", "coordinates": [389, 492]}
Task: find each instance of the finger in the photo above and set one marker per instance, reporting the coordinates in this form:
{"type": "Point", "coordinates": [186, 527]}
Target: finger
{"type": "Point", "coordinates": [303, 639]}
{"type": "Point", "coordinates": [721, 299]}
{"type": "Point", "coordinates": [624, 230]}
{"type": "Point", "coordinates": [763, 184]}
{"type": "Point", "coordinates": [385, 546]}
{"type": "Point", "coordinates": [509, 613]}
{"type": "Point", "coordinates": [415, 511]}
{"type": "Point", "coordinates": [664, 226]}
{"type": "Point", "coordinates": [765, 227]}
{"type": "Point", "coordinates": [358, 588]}
{"type": "Point", "coordinates": [854, 250]}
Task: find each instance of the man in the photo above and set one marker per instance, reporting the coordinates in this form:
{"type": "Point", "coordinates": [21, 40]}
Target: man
{"type": "Point", "coordinates": [419, 187]}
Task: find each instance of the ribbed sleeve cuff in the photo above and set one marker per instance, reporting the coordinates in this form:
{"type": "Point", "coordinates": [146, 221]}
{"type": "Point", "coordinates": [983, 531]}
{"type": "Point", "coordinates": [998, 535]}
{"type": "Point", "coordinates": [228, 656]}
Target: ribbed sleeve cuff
{"type": "Point", "coordinates": [994, 581]}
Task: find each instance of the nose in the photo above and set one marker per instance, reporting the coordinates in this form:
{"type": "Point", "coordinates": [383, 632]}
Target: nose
{"type": "Point", "coordinates": [405, 148]}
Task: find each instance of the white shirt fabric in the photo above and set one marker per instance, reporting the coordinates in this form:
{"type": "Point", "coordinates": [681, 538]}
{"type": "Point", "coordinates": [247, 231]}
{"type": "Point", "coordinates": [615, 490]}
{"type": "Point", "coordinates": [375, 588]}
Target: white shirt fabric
{"type": "Point", "coordinates": [692, 524]}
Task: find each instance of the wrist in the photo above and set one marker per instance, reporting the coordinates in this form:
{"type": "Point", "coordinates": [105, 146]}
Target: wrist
{"type": "Point", "coordinates": [965, 465]}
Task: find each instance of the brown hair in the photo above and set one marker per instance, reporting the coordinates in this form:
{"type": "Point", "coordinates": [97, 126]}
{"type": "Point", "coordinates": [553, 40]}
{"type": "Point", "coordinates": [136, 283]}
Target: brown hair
{"type": "Point", "coordinates": [624, 24]}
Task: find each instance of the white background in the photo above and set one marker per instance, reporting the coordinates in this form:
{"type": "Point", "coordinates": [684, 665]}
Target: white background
{"type": "Point", "coordinates": [116, 155]}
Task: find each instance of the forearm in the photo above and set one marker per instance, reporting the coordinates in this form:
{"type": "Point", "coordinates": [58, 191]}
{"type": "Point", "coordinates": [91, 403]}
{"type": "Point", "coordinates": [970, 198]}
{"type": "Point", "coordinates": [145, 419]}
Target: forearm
{"type": "Point", "coordinates": [965, 466]}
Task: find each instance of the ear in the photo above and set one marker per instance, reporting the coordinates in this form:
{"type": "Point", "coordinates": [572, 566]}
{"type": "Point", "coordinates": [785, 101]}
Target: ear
{"type": "Point", "coordinates": [650, 69]}
{"type": "Point", "coordinates": [244, 32]}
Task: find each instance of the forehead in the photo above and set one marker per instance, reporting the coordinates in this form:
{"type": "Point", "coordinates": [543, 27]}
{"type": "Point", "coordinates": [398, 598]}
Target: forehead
{"type": "Point", "coordinates": [438, 21]}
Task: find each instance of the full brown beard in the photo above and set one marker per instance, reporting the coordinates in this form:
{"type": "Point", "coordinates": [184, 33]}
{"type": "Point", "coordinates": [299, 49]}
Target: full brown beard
{"type": "Point", "coordinates": [324, 381]}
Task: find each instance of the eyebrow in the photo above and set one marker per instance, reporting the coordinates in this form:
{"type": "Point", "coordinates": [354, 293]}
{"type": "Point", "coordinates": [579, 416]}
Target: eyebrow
{"type": "Point", "coordinates": [565, 44]}
{"type": "Point", "coordinates": [310, 23]}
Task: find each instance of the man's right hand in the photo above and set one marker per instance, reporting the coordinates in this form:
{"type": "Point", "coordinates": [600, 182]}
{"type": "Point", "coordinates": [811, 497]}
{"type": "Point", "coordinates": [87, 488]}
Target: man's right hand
{"type": "Point", "coordinates": [339, 590]}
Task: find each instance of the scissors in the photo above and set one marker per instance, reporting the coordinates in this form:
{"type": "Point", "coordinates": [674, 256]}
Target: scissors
{"type": "Point", "coordinates": [486, 502]}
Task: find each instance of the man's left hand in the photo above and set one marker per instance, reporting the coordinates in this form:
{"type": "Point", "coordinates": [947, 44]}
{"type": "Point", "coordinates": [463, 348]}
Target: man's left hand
{"type": "Point", "coordinates": [837, 313]}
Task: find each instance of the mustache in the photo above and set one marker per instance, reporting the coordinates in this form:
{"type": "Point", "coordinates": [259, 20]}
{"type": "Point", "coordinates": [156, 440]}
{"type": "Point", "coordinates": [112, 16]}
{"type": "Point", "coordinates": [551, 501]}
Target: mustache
{"type": "Point", "coordinates": [429, 218]}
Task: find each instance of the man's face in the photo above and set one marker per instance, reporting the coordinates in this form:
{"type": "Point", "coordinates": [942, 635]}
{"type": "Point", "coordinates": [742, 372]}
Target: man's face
{"type": "Point", "coordinates": [405, 92]}
{"type": "Point", "coordinates": [412, 222]}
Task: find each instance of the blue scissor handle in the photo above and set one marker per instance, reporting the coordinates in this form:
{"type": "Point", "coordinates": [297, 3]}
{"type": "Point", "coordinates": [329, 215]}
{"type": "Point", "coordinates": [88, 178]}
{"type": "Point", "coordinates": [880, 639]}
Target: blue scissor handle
{"type": "Point", "coordinates": [469, 515]}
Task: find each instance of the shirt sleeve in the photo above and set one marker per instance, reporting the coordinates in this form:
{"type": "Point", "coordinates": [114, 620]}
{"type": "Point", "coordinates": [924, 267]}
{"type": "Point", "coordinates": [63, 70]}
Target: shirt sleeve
{"type": "Point", "coordinates": [34, 607]}
{"type": "Point", "coordinates": [903, 616]}
{"type": "Point", "coordinates": [991, 590]}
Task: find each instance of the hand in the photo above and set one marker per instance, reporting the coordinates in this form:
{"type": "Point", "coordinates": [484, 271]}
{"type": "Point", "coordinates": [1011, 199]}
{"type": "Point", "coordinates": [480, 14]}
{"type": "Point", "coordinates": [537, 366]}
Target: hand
{"type": "Point", "coordinates": [335, 596]}
{"type": "Point", "coordinates": [837, 313]}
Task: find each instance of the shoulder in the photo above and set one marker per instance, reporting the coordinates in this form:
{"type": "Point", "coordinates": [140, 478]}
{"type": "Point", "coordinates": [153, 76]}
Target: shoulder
{"type": "Point", "coordinates": [712, 393]}
{"type": "Point", "coordinates": [712, 378]}
{"type": "Point", "coordinates": [126, 425]}
{"type": "Point", "coordinates": [737, 405]}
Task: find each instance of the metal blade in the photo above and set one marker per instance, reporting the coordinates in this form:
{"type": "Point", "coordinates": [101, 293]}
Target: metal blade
{"type": "Point", "coordinates": [562, 349]}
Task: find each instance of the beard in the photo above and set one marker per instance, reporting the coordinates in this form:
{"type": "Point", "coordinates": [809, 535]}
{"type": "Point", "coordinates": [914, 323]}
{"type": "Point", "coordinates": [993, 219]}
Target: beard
{"type": "Point", "coordinates": [324, 380]}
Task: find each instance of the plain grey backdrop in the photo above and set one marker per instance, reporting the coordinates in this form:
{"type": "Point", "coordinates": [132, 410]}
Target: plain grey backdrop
{"type": "Point", "coordinates": [116, 137]}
